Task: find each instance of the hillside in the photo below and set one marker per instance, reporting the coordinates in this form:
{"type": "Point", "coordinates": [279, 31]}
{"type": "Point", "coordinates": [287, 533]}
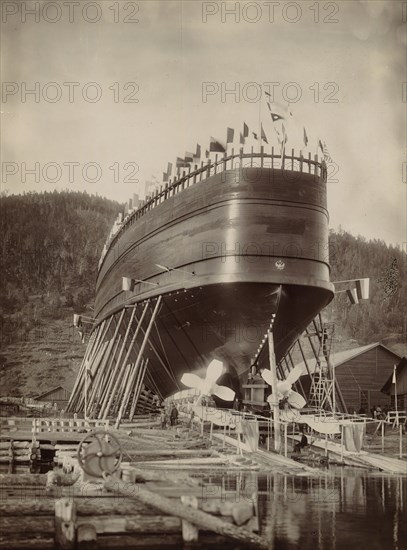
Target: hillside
{"type": "Point", "coordinates": [51, 244]}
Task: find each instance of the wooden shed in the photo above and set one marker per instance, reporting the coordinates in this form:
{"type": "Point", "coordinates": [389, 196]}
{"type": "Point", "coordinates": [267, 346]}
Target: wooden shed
{"type": "Point", "coordinates": [401, 386]}
{"type": "Point", "coordinates": [361, 373]}
{"type": "Point", "coordinates": [59, 396]}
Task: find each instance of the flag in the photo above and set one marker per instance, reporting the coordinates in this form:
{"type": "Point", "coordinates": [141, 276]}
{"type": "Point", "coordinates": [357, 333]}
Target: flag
{"type": "Point", "coordinates": [242, 139]}
{"type": "Point", "coordinates": [198, 152]}
{"type": "Point", "coordinates": [325, 152]}
{"type": "Point", "coordinates": [181, 163]}
{"type": "Point", "coordinates": [352, 295]}
{"type": "Point", "coordinates": [393, 380]}
{"type": "Point", "coordinates": [189, 157]}
{"type": "Point", "coordinates": [216, 146]}
{"type": "Point", "coordinates": [255, 135]}
{"type": "Point", "coordinates": [166, 174]}
{"type": "Point", "coordinates": [229, 135]}
{"type": "Point", "coordinates": [245, 130]}
{"type": "Point", "coordinates": [362, 288]}
{"type": "Point", "coordinates": [275, 117]}
{"type": "Point", "coordinates": [305, 136]}
{"type": "Point", "coordinates": [197, 155]}
{"type": "Point", "coordinates": [263, 134]}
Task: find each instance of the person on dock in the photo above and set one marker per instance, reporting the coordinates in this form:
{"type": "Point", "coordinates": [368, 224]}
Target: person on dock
{"type": "Point", "coordinates": [163, 418]}
{"type": "Point", "coordinates": [302, 443]}
{"type": "Point", "coordinates": [174, 415]}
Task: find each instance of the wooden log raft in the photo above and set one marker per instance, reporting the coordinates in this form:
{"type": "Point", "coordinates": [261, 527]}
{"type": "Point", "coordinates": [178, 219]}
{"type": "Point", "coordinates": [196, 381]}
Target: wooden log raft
{"type": "Point", "coordinates": [196, 517]}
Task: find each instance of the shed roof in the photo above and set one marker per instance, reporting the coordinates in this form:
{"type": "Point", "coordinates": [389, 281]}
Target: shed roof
{"type": "Point", "coordinates": [342, 357]}
{"type": "Point", "coordinates": [51, 391]}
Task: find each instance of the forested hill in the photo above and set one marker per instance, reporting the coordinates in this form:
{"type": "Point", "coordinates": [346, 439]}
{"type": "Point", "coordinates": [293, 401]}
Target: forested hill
{"type": "Point", "coordinates": [50, 248]}
{"type": "Point", "coordinates": [383, 316]}
{"type": "Point", "coordinates": [51, 245]}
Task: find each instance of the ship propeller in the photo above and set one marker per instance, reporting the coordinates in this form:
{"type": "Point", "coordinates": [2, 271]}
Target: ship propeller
{"type": "Point", "coordinates": [284, 388]}
{"type": "Point", "coordinates": [208, 386]}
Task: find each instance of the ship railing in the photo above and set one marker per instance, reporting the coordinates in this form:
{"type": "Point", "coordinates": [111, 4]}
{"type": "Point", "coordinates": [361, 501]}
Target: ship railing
{"type": "Point", "coordinates": [221, 163]}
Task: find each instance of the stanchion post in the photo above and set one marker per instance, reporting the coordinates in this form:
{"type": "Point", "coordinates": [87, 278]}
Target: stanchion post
{"type": "Point", "coordinates": [401, 440]}
{"type": "Point", "coordinates": [382, 436]}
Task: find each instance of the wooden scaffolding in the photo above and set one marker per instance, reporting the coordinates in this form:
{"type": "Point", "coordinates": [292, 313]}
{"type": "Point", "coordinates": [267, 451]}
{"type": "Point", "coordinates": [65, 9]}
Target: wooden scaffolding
{"type": "Point", "coordinates": [110, 381]}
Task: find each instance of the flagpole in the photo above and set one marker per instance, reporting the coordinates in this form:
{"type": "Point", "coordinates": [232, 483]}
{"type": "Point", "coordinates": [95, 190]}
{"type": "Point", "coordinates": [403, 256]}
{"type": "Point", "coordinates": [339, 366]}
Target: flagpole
{"type": "Point", "coordinates": [395, 389]}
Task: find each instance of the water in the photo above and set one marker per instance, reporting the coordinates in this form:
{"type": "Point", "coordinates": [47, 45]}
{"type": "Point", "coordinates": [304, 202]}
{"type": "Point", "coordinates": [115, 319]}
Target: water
{"type": "Point", "coordinates": [342, 509]}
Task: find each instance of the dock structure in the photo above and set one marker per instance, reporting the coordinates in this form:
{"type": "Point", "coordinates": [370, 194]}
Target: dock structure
{"type": "Point", "coordinates": [157, 494]}
{"type": "Point", "coordinates": [152, 499]}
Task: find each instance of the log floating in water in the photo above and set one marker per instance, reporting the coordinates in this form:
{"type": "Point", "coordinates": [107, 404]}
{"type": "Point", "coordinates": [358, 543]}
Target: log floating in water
{"type": "Point", "coordinates": [33, 542]}
{"type": "Point", "coordinates": [197, 517]}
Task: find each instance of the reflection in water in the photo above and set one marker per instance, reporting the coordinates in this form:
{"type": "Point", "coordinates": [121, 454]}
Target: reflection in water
{"type": "Point", "coordinates": [341, 509]}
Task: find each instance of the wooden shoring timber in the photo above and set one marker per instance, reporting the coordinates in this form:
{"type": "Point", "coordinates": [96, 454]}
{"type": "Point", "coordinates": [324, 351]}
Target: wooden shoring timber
{"type": "Point", "coordinates": [131, 389]}
{"type": "Point", "coordinates": [80, 403]}
{"type": "Point", "coordinates": [122, 388]}
{"type": "Point", "coordinates": [72, 397]}
{"type": "Point", "coordinates": [166, 367]}
{"type": "Point", "coordinates": [79, 378]}
{"type": "Point", "coordinates": [97, 386]}
{"type": "Point", "coordinates": [101, 366]}
{"type": "Point", "coordinates": [143, 344]}
{"type": "Point", "coordinates": [303, 357]}
{"type": "Point", "coordinates": [82, 398]}
{"type": "Point", "coordinates": [199, 518]}
{"type": "Point", "coordinates": [88, 364]}
{"type": "Point", "coordinates": [137, 388]}
{"type": "Point", "coordinates": [89, 350]}
{"type": "Point", "coordinates": [115, 372]}
{"type": "Point", "coordinates": [118, 371]}
{"type": "Point", "coordinates": [122, 403]}
{"type": "Point", "coordinates": [104, 383]}
{"type": "Point", "coordinates": [151, 382]}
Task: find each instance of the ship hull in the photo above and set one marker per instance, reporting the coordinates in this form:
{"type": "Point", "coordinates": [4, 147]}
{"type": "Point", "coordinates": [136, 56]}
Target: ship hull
{"type": "Point", "coordinates": [240, 246]}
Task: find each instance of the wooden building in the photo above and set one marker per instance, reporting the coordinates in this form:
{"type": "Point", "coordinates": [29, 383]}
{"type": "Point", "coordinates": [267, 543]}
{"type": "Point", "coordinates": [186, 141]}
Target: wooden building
{"type": "Point", "coordinates": [400, 386]}
{"type": "Point", "coordinates": [59, 396]}
{"type": "Point", "coordinates": [361, 373]}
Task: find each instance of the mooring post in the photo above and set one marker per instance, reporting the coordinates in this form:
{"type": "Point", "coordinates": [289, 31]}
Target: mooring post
{"type": "Point", "coordinates": [274, 403]}
{"type": "Point", "coordinates": [65, 516]}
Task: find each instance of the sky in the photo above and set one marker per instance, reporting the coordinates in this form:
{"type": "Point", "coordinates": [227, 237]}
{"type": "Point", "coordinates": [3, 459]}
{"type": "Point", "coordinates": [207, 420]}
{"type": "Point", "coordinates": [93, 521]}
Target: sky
{"type": "Point", "coordinates": [122, 88]}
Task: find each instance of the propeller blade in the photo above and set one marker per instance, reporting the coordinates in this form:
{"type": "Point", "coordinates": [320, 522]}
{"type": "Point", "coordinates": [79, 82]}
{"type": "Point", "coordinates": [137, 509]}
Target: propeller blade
{"type": "Point", "coordinates": [296, 400]}
{"type": "Point", "coordinates": [191, 380]}
{"type": "Point", "coordinates": [267, 377]}
{"type": "Point", "coordinates": [294, 374]}
{"type": "Point", "coordinates": [283, 387]}
{"type": "Point", "coordinates": [224, 393]}
{"type": "Point", "coordinates": [214, 370]}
